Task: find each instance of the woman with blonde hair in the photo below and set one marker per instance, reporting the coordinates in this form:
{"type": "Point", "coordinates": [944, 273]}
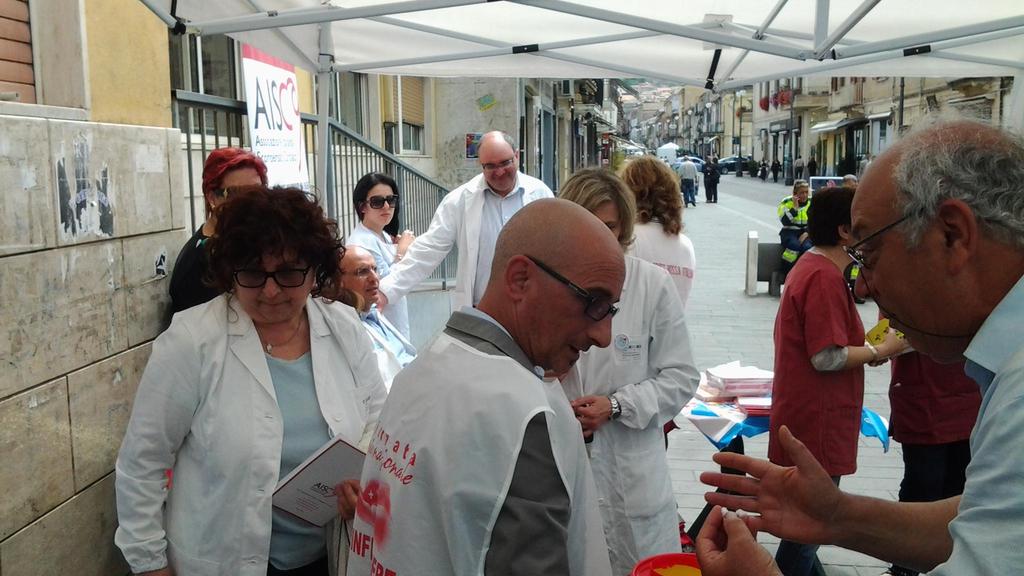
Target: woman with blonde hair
{"type": "Point", "coordinates": [659, 218]}
{"type": "Point", "coordinates": [623, 394]}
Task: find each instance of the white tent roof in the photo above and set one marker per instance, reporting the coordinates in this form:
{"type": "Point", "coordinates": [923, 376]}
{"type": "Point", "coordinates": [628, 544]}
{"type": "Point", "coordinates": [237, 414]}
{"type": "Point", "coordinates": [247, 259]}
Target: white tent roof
{"type": "Point", "coordinates": [673, 40]}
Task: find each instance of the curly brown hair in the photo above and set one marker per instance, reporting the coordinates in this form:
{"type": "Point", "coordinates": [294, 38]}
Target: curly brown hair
{"type": "Point", "coordinates": [656, 189]}
{"type": "Point", "coordinates": [259, 221]}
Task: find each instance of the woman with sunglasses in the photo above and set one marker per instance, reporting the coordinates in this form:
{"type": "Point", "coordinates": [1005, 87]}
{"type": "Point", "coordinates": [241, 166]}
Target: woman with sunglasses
{"type": "Point", "coordinates": [623, 394]}
{"type": "Point", "coordinates": [820, 353]}
{"type": "Point", "coordinates": [239, 391]}
{"type": "Point", "coordinates": [376, 201]}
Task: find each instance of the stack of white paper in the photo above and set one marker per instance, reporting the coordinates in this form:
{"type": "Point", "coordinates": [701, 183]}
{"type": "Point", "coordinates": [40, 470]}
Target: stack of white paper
{"type": "Point", "coordinates": [736, 380]}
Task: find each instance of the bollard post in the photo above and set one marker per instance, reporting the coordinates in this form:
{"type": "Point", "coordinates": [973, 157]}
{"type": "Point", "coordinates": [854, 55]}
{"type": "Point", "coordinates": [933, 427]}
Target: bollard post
{"type": "Point", "coordinates": [752, 263]}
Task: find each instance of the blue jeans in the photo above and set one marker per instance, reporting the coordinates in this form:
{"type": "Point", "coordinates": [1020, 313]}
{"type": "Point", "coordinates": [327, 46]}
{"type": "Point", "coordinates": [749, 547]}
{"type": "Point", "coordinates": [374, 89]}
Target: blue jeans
{"type": "Point", "coordinates": [796, 559]}
{"type": "Point", "coordinates": [689, 192]}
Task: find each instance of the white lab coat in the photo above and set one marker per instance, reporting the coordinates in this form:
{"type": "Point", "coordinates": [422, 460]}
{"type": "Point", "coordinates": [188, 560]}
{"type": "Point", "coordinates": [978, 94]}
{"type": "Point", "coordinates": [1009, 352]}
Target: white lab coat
{"type": "Point", "coordinates": [456, 223]}
{"type": "Point", "coordinates": [671, 252]}
{"type": "Point", "coordinates": [443, 456]}
{"type": "Point", "coordinates": [649, 368]}
{"type": "Point", "coordinates": [207, 409]}
{"type": "Point", "coordinates": [387, 362]}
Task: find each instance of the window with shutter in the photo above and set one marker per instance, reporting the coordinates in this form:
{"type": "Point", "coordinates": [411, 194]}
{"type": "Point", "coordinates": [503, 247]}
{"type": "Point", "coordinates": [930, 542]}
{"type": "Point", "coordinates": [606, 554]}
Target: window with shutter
{"type": "Point", "coordinates": [17, 78]}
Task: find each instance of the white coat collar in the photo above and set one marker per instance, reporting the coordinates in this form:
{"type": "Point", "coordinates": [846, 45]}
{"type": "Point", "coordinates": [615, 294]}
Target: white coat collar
{"type": "Point", "coordinates": [244, 341]}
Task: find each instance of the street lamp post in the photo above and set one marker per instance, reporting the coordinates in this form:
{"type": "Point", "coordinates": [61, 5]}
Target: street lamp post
{"type": "Point", "coordinates": [739, 142]}
{"type": "Point", "coordinates": [707, 124]}
{"type": "Point", "coordinates": [790, 171]}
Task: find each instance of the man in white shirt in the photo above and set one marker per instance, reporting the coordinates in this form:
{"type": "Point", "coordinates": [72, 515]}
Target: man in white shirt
{"type": "Point", "coordinates": [359, 275]}
{"type": "Point", "coordinates": [469, 218]}
{"type": "Point", "coordinates": [688, 178]}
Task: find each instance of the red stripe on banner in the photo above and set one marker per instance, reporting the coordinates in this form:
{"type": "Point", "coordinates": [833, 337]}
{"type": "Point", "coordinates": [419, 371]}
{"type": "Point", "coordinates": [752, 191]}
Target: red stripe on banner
{"type": "Point", "coordinates": [254, 54]}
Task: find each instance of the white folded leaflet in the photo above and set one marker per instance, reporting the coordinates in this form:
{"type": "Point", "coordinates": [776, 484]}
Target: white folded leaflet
{"type": "Point", "coordinates": [736, 380]}
{"type": "Point", "coordinates": [307, 492]}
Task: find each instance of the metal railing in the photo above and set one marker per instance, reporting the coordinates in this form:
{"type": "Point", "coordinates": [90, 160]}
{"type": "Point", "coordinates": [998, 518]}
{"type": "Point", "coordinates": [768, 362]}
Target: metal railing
{"type": "Point", "coordinates": [210, 122]}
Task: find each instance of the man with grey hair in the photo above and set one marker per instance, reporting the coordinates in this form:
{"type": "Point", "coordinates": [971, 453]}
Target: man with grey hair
{"type": "Point", "coordinates": [469, 219]}
{"type": "Point", "coordinates": [938, 225]}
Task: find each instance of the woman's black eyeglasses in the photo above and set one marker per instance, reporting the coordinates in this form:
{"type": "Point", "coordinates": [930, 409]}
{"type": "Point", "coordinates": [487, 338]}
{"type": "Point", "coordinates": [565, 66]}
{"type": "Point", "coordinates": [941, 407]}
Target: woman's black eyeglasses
{"type": "Point", "coordinates": [377, 202]}
{"type": "Point", "coordinates": [285, 277]}
{"type": "Point", "coordinates": [595, 308]}
{"type": "Point", "coordinates": [856, 252]}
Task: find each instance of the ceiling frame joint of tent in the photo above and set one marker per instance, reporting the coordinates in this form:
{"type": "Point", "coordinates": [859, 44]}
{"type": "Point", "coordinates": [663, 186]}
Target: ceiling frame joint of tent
{"type": "Point", "coordinates": [825, 48]}
{"type": "Point", "coordinates": [285, 39]}
{"type": "Point", "coordinates": [758, 34]}
{"type": "Point", "coordinates": [690, 32]}
{"type": "Point", "coordinates": [325, 13]}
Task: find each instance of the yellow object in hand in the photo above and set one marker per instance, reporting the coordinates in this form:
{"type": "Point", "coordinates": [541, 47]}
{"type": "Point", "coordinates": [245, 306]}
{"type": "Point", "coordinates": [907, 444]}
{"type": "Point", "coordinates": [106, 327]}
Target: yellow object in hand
{"type": "Point", "coordinates": [677, 570]}
{"type": "Point", "coordinates": [877, 334]}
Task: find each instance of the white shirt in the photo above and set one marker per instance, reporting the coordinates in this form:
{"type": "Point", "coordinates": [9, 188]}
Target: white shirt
{"type": "Point", "coordinates": [456, 224]}
{"type": "Point", "coordinates": [688, 170]}
{"type": "Point", "coordinates": [207, 409]}
{"type": "Point", "coordinates": [496, 213]}
{"type": "Point", "coordinates": [673, 254]}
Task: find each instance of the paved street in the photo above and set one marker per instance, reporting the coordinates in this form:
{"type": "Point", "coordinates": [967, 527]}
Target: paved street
{"type": "Point", "coordinates": [726, 325]}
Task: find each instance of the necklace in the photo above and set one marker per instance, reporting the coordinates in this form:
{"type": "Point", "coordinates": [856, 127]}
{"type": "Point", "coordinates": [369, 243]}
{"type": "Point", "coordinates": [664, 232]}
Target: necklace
{"type": "Point", "coordinates": [270, 347]}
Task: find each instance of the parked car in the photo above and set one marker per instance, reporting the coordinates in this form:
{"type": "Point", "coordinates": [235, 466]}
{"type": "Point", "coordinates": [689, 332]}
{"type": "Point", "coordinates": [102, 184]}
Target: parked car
{"type": "Point", "coordinates": [696, 161]}
{"type": "Point", "coordinates": [728, 164]}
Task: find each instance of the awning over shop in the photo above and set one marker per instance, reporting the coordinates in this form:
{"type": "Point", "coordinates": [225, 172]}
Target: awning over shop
{"type": "Point", "coordinates": [880, 115]}
{"type": "Point", "coordinates": [833, 125]}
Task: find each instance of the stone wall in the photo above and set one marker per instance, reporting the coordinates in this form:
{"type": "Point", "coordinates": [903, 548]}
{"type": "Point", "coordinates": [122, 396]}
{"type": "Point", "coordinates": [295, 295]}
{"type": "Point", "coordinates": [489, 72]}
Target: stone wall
{"type": "Point", "coordinates": [91, 221]}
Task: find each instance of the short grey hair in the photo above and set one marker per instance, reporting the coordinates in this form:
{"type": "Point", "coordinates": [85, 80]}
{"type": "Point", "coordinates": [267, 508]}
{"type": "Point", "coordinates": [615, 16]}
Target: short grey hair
{"type": "Point", "coordinates": [984, 168]}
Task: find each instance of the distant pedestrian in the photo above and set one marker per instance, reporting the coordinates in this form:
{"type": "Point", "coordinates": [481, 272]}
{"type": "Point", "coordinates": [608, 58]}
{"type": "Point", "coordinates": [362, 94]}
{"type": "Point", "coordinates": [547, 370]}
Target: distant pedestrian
{"type": "Point", "coordinates": [798, 166]}
{"type": "Point", "coordinates": [688, 181]}
{"type": "Point", "coordinates": [711, 177]}
{"type": "Point", "coordinates": [762, 171]}
{"type": "Point", "coordinates": [812, 167]}
{"type": "Point", "coordinates": [776, 168]}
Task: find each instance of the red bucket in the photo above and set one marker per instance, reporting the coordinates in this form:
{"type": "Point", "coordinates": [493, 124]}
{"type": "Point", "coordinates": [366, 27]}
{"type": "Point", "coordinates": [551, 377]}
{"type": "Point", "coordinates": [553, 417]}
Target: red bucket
{"type": "Point", "coordinates": [661, 565]}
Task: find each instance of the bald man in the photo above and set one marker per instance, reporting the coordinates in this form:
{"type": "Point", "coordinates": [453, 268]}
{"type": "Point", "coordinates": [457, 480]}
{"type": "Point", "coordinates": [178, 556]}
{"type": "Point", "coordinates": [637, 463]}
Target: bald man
{"type": "Point", "coordinates": [469, 218]}
{"type": "Point", "coordinates": [938, 229]}
{"type": "Point", "coordinates": [359, 275]}
{"type": "Point", "coordinates": [478, 463]}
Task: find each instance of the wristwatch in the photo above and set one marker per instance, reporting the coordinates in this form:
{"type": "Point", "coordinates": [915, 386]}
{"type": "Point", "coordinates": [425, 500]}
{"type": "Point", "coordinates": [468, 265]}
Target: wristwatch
{"type": "Point", "coordinates": [616, 408]}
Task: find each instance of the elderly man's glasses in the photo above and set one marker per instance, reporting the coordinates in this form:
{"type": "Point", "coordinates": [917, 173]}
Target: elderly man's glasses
{"type": "Point", "coordinates": [285, 277]}
{"type": "Point", "coordinates": [595, 308]}
{"type": "Point", "coordinates": [491, 167]}
{"type": "Point", "coordinates": [377, 202]}
{"type": "Point", "coordinates": [856, 252]}
{"type": "Point", "coordinates": [362, 272]}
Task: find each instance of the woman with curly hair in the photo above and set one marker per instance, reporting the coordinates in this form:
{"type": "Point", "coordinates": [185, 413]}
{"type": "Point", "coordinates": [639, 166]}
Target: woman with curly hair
{"type": "Point", "coordinates": [238, 392]}
{"type": "Point", "coordinates": [659, 221]}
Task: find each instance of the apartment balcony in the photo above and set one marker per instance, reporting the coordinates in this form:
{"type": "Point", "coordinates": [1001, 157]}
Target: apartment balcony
{"type": "Point", "coordinates": [847, 96]}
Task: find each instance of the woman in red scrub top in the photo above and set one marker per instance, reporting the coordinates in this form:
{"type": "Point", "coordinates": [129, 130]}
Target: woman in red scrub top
{"type": "Point", "coordinates": [820, 355]}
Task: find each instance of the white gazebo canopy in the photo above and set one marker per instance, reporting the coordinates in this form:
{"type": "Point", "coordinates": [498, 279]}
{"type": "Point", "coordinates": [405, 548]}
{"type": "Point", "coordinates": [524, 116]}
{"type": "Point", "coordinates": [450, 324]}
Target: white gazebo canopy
{"type": "Point", "coordinates": [729, 42]}
{"type": "Point", "coordinates": [718, 44]}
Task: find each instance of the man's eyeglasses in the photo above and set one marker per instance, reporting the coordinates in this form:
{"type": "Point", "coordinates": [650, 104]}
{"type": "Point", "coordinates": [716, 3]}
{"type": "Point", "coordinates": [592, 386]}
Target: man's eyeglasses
{"type": "Point", "coordinates": [362, 272]}
{"type": "Point", "coordinates": [595, 308]}
{"type": "Point", "coordinates": [377, 202]}
{"type": "Point", "coordinates": [285, 277]}
{"type": "Point", "coordinates": [856, 252]}
{"type": "Point", "coordinates": [503, 164]}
